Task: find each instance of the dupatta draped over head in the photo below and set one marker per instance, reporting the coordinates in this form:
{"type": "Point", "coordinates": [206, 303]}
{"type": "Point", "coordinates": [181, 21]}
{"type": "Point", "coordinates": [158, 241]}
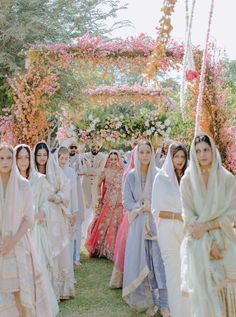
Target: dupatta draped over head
{"type": "Point", "coordinates": [166, 192]}
{"type": "Point", "coordinates": [209, 281]}
{"type": "Point", "coordinates": [136, 288]}
{"type": "Point", "coordinates": [16, 206]}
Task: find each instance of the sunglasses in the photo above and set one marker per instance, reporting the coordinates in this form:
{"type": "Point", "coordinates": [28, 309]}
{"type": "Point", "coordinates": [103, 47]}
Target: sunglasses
{"type": "Point", "coordinates": [73, 147]}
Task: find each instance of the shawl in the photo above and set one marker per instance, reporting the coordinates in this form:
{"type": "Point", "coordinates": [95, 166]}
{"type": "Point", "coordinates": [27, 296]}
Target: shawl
{"type": "Point", "coordinates": [199, 273]}
{"type": "Point", "coordinates": [135, 291]}
{"type": "Point", "coordinates": [14, 207]}
{"type": "Point", "coordinates": [166, 193]}
{"type": "Point", "coordinates": [56, 178]}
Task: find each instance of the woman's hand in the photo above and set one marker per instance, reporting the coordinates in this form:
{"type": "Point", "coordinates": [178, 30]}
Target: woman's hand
{"type": "Point", "coordinates": [54, 199]}
{"type": "Point", "coordinates": [145, 206]}
{"type": "Point", "coordinates": [198, 230]}
{"type": "Point", "coordinates": [7, 246]}
{"type": "Point", "coordinates": [215, 252]}
{"type": "Point", "coordinates": [40, 217]}
{"type": "Point", "coordinates": [72, 219]}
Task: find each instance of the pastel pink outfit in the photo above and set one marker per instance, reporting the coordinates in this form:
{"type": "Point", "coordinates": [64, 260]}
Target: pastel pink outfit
{"type": "Point", "coordinates": [119, 251]}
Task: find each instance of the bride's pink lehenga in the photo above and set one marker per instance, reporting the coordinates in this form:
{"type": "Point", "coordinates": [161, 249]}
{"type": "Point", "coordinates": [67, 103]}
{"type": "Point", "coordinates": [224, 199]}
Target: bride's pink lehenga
{"type": "Point", "coordinates": [103, 230]}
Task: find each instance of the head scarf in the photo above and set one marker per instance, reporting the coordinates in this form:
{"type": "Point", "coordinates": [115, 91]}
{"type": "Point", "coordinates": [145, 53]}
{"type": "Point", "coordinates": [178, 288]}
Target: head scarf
{"type": "Point", "coordinates": [53, 171]}
{"type": "Point", "coordinates": [10, 215]}
{"type": "Point", "coordinates": [166, 192]}
{"type": "Point", "coordinates": [120, 166]}
{"type": "Point", "coordinates": [129, 167]}
{"type": "Point", "coordinates": [139, 193]}
{"type": "Point", "coordinates": [201, 204]}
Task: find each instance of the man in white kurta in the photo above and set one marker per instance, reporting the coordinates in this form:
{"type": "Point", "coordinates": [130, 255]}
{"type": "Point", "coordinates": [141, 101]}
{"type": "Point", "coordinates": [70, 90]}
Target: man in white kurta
{"type": "Point", "coordinates": [91, 166]}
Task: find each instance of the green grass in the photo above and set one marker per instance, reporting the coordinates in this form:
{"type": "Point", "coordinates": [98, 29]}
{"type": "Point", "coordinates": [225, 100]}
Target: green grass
{"type": "Point", "coordinates": [94, 298]}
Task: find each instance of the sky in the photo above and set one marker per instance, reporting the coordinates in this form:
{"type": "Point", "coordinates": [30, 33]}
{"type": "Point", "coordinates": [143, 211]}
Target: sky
{"type": "Point", "coordinates": [145, 14]}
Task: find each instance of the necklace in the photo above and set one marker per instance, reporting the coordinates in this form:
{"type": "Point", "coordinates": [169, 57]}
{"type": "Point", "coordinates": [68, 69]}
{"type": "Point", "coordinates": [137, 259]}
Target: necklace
{"type": "Point", "coordinates": [143, 181]}
{"type": "Point", "coordinates": [205, 170]}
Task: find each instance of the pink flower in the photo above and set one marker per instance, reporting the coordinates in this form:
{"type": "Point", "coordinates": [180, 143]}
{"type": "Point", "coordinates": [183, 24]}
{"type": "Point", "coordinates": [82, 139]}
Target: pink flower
{"type": "Point", "coordinates": [191, 74]}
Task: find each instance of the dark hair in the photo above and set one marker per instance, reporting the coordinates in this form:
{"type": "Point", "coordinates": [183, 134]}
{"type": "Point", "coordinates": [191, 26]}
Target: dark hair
{"type": "Point", "coordinates": [144, 142]}
{"type": "Point", "coordinates": [114, 153]}
{"type": "Point", "coordinates": [38, 147]}
{"type": "Point", "coordinates": [21, 147]}
{"type": "Point", "coordinates": [174, 148]}
{"type": "Point", "coordinates": [202, 138]}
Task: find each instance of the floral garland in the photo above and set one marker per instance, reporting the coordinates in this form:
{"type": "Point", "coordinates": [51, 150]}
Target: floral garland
{"type": "Point", "coordinates": [123, 128]}
{"type": "Point", "coordinates": [122, 90]}
{"type": "Point", "coordinates": [203, 73]}
{"type": "Point", "coordinates": [189, 73]}
{"type": "Point", "coordinates": [163, 36]}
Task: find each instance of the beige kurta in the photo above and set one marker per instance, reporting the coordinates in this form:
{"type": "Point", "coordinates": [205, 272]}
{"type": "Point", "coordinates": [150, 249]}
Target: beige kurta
{"type": "Point", "coordinates": [20, 270]}
{"type": "Point", "coordinates": [92, 165]}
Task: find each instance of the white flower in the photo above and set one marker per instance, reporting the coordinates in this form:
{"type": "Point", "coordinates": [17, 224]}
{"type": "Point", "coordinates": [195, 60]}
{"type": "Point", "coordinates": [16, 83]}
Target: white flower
{"type": "Point", "coordinates": [158, 124]}
{"type": "Point", "coordinates": [96, 120]}
{"type": "Point", "coordinates": [118, 124]}
{"type": "Point", "coordinates": [147, 123]}
{"type": "Point", "coordinates": [168, 130]}
{"type": "Point", "coordinates": [153, 129]}
{"type": "Point", "coordinates": [90, 117]}
{"type": "Point", "coordinates": [148, 132]}
{"type": "Point", "coordinates": [167, 122]}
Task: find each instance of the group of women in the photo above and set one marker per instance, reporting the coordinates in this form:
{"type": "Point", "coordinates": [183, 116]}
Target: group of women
{"type": "Point", "coordinates": [175, 247]}
{"type": "Point", "coordinates": [38, 209]}
{"type": "Point", "coordinates": [170, 231]}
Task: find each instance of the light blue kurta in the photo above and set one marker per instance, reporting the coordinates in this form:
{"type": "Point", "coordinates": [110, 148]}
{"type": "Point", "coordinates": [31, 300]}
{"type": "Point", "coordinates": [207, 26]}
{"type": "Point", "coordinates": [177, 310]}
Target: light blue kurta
{"type": "Point", "coordinates": [143, 269]}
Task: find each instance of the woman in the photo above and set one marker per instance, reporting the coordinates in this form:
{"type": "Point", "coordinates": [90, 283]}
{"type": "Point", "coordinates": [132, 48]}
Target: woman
{"type": "Point", "coordinates": [144, 272]}
{"type": "Point", "coordinates": [166, 206]}
{"type": "Point", "coordinates": [58, 200]}
{"type": "Point", "coordinates": [208, 192]}
{"type": "Point", "coordinates": [161, 153]}
{"type": "Point", "coordinates": [119, 250]}
{"type": "Point", "coordinates": [62, 157]}
{"type": "Point", "coordinates": [39, 232]}
{"type": "Point", "coordinates": [103, 230]}
{"type": "Point", "coordinates": [22, 288]}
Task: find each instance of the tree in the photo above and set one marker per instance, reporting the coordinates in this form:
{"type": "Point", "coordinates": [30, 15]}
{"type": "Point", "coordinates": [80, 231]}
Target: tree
{"type": "Point", "coordinates": [25, 22]}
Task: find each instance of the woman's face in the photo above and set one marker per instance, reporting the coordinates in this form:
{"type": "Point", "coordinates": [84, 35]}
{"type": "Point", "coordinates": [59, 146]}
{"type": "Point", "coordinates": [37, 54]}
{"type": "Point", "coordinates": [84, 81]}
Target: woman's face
{"type": "Point", "coordinates": [6, 159]}
{"type": "Point", "coordinates": [23, 160]}
{"type": "Point", "coordinates": [179, 160]}
{"type": "Point", "coordinates": [113, 160]}
{"type": "Point", "coordinates": [204, 154]}
{"type": "Point", "coordinates": [144, 154]}
{"type": "Point", "coordinates": [41, 157]}
{"type": "Point", "coordinates": [166, 148]}
{"type": "Point", "coordinates": [63, 159]}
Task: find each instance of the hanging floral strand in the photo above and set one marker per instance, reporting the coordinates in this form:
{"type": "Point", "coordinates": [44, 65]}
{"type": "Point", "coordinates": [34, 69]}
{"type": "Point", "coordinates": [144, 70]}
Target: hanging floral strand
{"type": "Point", "coordinates": [189, 72]}
{"type": "Point", "coordinates": [163, 33]}
{"type": "Point", "coordinates": [203, 71]}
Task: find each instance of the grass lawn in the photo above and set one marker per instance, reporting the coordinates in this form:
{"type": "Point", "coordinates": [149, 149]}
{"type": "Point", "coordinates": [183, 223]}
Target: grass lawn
{"type": "Point", "coordinates": [94, 298]}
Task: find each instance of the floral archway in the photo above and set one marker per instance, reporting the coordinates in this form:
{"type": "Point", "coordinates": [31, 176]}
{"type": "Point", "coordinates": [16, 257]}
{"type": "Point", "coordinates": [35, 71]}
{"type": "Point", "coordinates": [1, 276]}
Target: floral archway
{"type": "Point", "coordinates": [29, 116]}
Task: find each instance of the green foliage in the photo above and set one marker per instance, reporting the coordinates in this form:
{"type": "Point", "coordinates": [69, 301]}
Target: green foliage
{"type": "Point", "coordinates": [118, 126]}
{"type": "Point", "coordinates": [94, 298]}
{"type": "Point", "coordinates": [230, 76]}
{"type": "Point", "coordinates": [25, 22]}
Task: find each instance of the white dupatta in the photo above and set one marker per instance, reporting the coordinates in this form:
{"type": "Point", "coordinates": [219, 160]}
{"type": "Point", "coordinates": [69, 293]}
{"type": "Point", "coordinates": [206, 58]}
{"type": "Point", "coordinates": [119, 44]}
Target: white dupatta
{"type": "Point", "coordinates": [166, 192]}
{"type": "Point", "coordinates": [200, 274]}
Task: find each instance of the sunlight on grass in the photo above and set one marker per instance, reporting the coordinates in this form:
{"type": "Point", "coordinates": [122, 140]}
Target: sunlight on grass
{"type": "Point", "coordinates": [94, 298]}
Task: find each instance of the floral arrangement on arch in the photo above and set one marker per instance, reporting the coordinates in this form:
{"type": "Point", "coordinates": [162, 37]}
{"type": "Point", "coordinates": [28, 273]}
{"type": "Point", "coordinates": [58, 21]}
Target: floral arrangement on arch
{"type": "Point", "coordinates": [122, 129]}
